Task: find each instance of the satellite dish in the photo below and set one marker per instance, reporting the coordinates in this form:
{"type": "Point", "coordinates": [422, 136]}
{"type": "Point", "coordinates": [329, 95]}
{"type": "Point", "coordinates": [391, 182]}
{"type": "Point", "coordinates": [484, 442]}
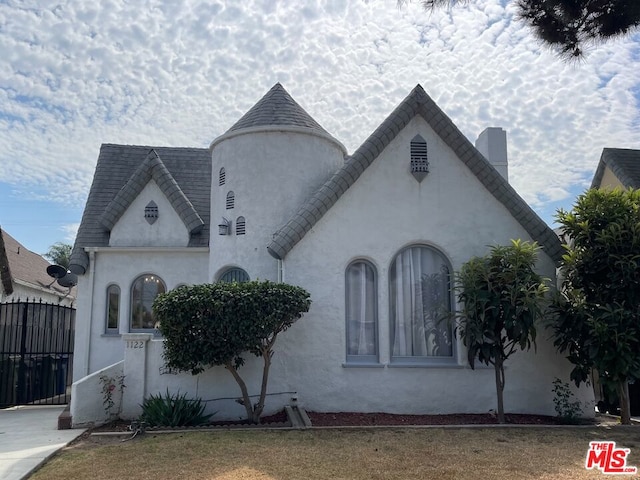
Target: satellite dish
{"type": "Point", "coordinates": [69, 280]}
{"type": "Point", "coordinates": [56, 271]}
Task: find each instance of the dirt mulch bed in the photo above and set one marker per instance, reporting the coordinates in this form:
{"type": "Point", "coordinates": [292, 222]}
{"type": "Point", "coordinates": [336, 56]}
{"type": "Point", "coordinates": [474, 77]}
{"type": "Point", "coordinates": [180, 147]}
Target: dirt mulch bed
{"type": "Point", "coordinates": [276, 420]}
{"type": "Point", "coordinates": [342, 419]}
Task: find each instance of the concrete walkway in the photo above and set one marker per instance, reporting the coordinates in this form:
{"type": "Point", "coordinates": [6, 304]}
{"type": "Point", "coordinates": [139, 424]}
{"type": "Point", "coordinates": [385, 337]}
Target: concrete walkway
{"type": "Point", "coordinates": [28, 437]}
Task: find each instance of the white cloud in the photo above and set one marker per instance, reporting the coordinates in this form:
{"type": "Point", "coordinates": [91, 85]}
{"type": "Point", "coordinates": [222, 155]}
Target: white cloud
{"type": "Point", "coordinates": [181, 73]}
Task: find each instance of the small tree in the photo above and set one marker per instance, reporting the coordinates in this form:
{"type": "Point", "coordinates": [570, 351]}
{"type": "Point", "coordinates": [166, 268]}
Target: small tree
{"type": "Point", "coordinates": [216, 324]}
{"type": "Point", "coordinates": [59, 253]}
{"type": "Point", "coordinates": [598, 312]}
{"type": "Point", "coordinates": [501, 297]}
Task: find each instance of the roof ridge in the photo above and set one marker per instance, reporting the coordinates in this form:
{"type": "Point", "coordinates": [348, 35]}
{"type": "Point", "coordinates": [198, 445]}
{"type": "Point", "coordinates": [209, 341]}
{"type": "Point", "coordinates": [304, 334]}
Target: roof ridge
{"type": "Point", "coordinates": [152, 168]}
{"type": "Point", "coordinates": [418, 102]}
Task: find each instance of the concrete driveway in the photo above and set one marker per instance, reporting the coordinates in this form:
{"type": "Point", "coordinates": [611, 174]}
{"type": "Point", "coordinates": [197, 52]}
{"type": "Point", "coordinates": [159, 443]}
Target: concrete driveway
{"type": "Point", "coordinates": [28, 437]}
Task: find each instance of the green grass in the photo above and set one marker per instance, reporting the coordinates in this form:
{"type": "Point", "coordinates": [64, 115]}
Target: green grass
{"type": "Point", "coordinates": [438, 453]}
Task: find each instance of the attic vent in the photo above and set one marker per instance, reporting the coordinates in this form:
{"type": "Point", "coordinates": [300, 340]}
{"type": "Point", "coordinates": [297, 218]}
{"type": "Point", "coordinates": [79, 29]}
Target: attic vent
{"type": "Point", "coordinates": [240, 226]}
{"type": "Point", "coordinates": [151, 212]}
{"type": "Point", "coordinates": [231, 199]}
{"type": "Point", "coordinates": [222, 177]}
{"type": "Point", "coordinates": [419, 160]}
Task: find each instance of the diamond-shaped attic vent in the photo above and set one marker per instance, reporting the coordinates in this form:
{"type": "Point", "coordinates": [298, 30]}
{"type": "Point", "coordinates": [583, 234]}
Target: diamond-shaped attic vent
{"type": "Point", "coordinates": [151, 212]}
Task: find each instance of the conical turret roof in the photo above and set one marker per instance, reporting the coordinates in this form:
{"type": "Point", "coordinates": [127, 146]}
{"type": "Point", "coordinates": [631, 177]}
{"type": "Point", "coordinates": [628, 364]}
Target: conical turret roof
{"type": "Point", "coordinates": [277, 108]}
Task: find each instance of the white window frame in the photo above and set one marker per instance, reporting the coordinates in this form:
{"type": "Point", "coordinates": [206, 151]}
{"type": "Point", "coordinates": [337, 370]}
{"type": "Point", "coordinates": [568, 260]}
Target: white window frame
{"type": "Point", "coordinates": [369, 358]}
{"type": "Point", "coordinates": [419, 359]}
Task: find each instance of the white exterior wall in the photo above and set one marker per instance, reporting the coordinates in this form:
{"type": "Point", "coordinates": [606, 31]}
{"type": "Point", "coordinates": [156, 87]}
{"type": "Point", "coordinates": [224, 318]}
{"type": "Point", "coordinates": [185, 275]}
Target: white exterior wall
{"type": "Point", "coordinates": [271, 174]}
{"type": "Point", "coordinates": [175, 266]}
{"type": "Point", "coordinates": [132, 230]}
{"type": "Point", "coordinates": [165, 255]}
{"type": "Point", "coordinates": [383, 212]}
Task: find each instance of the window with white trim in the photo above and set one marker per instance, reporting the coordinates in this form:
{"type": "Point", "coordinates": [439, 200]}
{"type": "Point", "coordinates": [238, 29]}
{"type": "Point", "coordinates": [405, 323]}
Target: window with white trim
{"type": "Point", "coordinates": [231, 200]}
{"type": "Point", "coordinates": [144, 291]}
{"type": "Point", "coordinates": [222, 177]}
{"type": "Point", "coordinates": [420, 303]}
{"type": "Point", "coordinates": [113, 309]}
{"type": "Point", "coordinates": [361, 295]}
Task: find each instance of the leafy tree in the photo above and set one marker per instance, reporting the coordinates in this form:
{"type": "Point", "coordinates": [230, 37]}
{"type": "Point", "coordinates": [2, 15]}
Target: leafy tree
{"type": "Point", "coordinates": [569, 25]}
{"type": "Point", "coordinates": [59, 253]}
{"type": "Point", "coordinates": [501, 297]}
{"type": "Point", "coordinates": [217, 324]}
{"type": "Point", "coordinates": [598, 312]}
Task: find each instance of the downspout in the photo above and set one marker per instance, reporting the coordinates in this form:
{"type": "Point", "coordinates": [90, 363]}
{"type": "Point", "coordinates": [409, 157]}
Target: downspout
{"type": "Point", "coordinates": [280, 270]}
{"type": "Point", "coordinates": [87, 339]}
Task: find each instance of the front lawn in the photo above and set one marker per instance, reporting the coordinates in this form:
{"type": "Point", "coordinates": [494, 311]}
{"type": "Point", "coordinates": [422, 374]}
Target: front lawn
{"type": "Point", "coordinates": [399, 453]}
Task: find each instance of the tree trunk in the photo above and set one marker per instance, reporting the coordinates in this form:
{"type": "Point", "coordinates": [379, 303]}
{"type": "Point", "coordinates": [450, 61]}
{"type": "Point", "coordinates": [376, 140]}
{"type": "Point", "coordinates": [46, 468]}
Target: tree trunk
{"type": "Point", "coordinates": [266, 357]}
{"type": "Point", "coordinates": [625, 404]}
{"type": "Point", "coordinates": [499, 370]}
{"type": "Point", "coordinates": [243, 388]}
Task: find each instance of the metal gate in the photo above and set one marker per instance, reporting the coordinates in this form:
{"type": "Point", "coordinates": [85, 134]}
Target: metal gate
{"type": "Point", "coordinates": [36, 353]}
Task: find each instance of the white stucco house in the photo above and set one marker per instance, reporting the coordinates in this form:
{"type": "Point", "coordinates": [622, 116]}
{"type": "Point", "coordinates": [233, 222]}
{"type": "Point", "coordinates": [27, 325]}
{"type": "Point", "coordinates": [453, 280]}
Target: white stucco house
{"type": "Point", "coordinates": [374, 236]}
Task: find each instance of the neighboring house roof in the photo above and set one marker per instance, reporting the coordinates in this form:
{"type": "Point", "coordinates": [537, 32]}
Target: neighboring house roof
{"type": "Point", "coordinates": [18, 264]}
{"type": "Point", "coordinates": [416, 103]}
{"type": "Point", "coordinates": [623, 162]}
{"type": "Point", "coordinates": [277, 108]}
{"type": "Point", "coordinates": [122, 171]}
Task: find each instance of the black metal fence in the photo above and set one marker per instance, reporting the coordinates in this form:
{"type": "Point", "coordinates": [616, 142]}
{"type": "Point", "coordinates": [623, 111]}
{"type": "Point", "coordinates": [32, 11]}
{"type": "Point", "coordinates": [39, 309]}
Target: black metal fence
{"type": "Point", "coordinates": [36, 353]}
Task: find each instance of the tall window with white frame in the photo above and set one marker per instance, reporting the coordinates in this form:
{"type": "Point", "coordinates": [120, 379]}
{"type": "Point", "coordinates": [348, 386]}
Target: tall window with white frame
{"type": "Point", "coordinates": [420, 304]}
{"type": "Point", "coordinates": [361, 295]}
{"type": "Point", "coordinates": [113, 309]}
{"type": "Point", "coordinates": [144, 291]}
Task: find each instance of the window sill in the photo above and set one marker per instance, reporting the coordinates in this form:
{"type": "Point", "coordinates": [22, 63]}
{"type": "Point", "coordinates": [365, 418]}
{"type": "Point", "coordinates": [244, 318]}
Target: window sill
{"type": "Point", "coordinates": [400, 364]}
{"type": "Point", "coordinates": [111, 335]}
{"type": "Point", "coordinates": [362, 365]}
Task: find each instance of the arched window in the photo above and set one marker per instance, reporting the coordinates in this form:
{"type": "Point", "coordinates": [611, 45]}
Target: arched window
{"type": "Point", "coordinates": [234, 274]}
{"type": "Point", "coordinates": [144, 291]}
{"type": "Point", "coordinates": [420, 302]}
{"type": "Point", "coordinates": [240, 226]}
{"type": "Point", "coordinates": [419, 159]}
{"type": "Point", "coordinates": [231, 198]}
{"type": "Point", "coordinates": [113, 309]}
{"type": "Point", "coordinates": [361, 293]}
{"type": "Point", "coordinates": [222, 176]}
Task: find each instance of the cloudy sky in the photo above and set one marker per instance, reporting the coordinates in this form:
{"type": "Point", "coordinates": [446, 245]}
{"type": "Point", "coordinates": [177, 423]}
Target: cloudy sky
{"type": "Point", "coordinates": [75, 74]}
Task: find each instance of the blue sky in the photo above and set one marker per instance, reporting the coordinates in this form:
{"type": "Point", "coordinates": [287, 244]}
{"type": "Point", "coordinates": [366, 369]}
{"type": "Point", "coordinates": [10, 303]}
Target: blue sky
{"type": "Point", "coordinates": [75, 74]}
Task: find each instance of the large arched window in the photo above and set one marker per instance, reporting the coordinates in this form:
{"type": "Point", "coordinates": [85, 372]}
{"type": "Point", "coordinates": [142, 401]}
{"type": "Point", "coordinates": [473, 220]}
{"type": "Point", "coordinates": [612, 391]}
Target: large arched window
{"type": "Point", "coordinates": [234, 274]}
{"type": "Point", "coordinates": [113, 309]}
{"type": "Point", "coordinates": [144, 291]}
{"type": "Point", "coordinates": [361, 312]}
{"type": "Point", "coordinates": [420, 303]}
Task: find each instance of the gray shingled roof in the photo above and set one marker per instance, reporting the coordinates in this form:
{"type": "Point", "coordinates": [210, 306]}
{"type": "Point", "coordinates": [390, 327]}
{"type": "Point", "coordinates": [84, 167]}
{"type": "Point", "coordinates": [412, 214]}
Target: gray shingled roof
{"type": "Point", "coordinates": [184, 175]}
{"type": "Point", "coordinates": [277, 108]}
{"type": "Point", "coordinates": [623, 162]}
{"type": "Point", "coordinates": [416, 103]}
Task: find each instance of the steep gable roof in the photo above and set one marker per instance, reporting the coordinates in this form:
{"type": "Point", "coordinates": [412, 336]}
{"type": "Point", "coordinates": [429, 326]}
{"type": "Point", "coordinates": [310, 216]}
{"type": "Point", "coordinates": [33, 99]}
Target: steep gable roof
{"type": "Point", "coordinates": [277, 108]}
{"type": "Point", "coordinates": [416, 103]}
{"type": "Point", "coordinates": [623, 162]}
{"type": "Point", "coordinates": [152, 168]}
{"type": "Point", "coordinates": [17, 263]}
{"type": "Point", "coordinates": [183, 174]}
